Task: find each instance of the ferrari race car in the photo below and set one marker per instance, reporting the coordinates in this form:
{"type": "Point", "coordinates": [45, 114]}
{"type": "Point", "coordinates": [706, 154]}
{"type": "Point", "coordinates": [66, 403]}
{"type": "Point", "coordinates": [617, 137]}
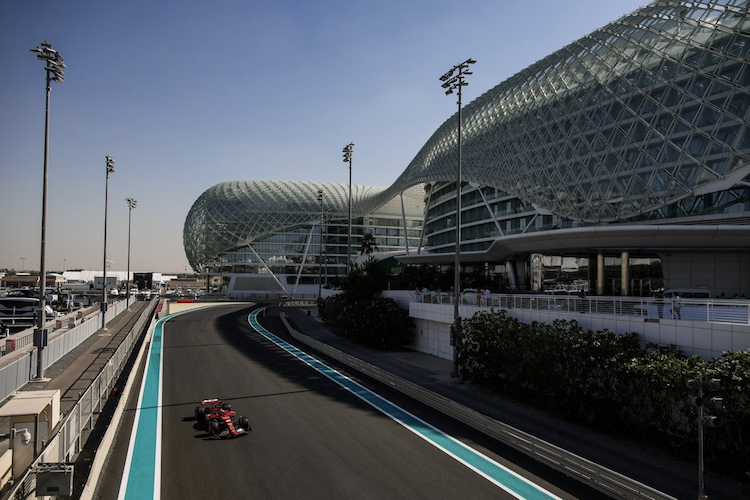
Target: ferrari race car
{"type": "Point", "coordinates": [220, 420]}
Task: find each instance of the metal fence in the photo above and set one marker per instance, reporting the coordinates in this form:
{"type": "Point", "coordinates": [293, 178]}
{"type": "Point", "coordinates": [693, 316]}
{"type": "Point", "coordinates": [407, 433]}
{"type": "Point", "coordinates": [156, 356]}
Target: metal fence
{"type": "Point", "coordinates": [68, 439]}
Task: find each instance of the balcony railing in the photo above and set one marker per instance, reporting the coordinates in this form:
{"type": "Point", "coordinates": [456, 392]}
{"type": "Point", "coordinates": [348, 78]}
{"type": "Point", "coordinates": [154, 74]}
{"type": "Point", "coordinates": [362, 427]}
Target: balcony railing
{"type": "Point", "coordinates": [728, 311]}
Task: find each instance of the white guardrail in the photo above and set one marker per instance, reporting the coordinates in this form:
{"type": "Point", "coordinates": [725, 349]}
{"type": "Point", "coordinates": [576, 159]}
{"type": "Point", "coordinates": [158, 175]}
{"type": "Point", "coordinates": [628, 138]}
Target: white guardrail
{"type": "Point", "coordinates": [570, 464]}
{"type": "Point", "coordinates": [68, 439]}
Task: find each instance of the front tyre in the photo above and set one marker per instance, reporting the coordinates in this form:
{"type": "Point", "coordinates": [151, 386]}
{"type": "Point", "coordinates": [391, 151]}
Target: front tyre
{"type": "Point", "coordinates": [200, 416]}
{"type": "Point", "coordinates": [244, 423]}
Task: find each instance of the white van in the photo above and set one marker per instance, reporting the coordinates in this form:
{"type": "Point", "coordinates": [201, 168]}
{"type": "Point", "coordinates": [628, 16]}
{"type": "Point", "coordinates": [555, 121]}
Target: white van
{"type": "Point", "coordinates": [688, 293]}
{"type": "Point", "coordinates": [22, 308]}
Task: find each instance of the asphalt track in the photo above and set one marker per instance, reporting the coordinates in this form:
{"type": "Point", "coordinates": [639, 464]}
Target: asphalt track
{"type": "Point", "coordinates": [311, 437]}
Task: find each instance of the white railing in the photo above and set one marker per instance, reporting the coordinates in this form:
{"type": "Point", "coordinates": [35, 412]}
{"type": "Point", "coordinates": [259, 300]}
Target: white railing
{"type": "Point", "coordinates": [16, 373]}
{"type": "Point", "coordinates": [727, 311]}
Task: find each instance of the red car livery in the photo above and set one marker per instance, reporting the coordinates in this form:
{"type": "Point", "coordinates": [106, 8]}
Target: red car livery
{"type": "Point", "coordinates": [220, 420]}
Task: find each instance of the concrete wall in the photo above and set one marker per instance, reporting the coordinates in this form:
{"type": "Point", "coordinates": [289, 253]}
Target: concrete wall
{"type": "Point", "coordinates": [707, 340]}
{"type": "Point", "coordinates": [719, 272]}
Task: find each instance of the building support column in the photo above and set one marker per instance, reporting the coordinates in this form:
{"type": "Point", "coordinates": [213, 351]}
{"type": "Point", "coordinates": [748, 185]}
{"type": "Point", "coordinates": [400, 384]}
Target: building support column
{"type": "Point", "coordinates": [625, 274]}
{"type": "Point", "coordinates": [600, 273]}
{"type": "Point", "coordinates": [511, 272]}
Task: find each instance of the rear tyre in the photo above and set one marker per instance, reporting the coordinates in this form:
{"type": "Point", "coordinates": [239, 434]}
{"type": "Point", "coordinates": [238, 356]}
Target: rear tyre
{"type": "Point", "coordinates": [226, 406]}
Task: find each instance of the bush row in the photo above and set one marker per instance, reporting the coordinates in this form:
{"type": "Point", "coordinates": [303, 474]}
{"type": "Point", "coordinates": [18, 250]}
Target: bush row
{"type": "Point", "coordinates": [376, 322]}
{"type": "Point", "coordinates": [609, 381]}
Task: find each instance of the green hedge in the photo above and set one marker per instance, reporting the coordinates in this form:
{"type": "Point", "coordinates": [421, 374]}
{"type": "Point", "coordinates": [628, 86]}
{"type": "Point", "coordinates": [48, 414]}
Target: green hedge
{"type": "Point", "coordinates": [378, 322]}
{"type": "Point", "coordinates": [608, 381]}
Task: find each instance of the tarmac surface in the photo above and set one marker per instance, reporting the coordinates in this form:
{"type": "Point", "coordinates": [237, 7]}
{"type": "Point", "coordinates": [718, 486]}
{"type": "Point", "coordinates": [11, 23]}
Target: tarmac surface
{"type": "Point", "coordinates": [649, 466]}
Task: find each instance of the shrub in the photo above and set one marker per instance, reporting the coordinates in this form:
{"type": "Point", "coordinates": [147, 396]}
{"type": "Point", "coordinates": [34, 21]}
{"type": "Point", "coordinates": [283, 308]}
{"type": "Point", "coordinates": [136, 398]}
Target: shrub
{"type": "Point", "coordinates": [361, 315]}
{"type": "Point", "coordinates": [607, 379]}
{"type": "Point", "coordinates": [378, 323]}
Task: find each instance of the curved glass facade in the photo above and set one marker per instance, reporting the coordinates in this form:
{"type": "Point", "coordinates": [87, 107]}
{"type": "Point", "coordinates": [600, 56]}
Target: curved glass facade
{"type": "Point", "coordinates": [257, 226]}
{"type": "Point", "coordinates": [643, 120]}
{"type": "Point", "coordinates": [646, 111]}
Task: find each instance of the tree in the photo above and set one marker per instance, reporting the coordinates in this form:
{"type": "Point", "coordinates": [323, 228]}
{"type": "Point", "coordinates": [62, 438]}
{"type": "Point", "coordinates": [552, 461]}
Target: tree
{"type": "Point", "coordinates": [368, 245]}
{"type": "Point", "coordinates": [365, 281]}
{"type": "Point", "coordinates": [359, 313]}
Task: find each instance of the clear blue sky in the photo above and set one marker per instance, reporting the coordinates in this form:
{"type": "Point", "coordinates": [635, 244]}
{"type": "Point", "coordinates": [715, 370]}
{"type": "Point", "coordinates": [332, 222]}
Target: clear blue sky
{"type": "Point", "coordinates": [186, 94]}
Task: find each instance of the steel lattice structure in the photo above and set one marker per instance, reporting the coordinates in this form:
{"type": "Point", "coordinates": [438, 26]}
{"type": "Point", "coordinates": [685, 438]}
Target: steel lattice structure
{"type": "Point", "coordinates": [640, 114]}
{"type": "Point", "coordinates": [646, 111]}
{"type": "Point", "coordinates": [236, 213]}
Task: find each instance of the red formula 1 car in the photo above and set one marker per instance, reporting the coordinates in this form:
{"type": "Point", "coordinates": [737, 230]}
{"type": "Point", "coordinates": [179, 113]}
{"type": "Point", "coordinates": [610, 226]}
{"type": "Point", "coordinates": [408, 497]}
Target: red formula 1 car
{"type": "Point", "coordinates": [220, 420]}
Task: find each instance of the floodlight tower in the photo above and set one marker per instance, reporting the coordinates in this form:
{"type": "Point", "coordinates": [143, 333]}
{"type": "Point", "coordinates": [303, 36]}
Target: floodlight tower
{"type": "Point", "coordinates": [53, 68]}
{"type": "Point", "coordinates": [131, 205]}
{"type": "Point", "coordinates": [456, 81]}
{"type": "Point", "coordinates": [320, 252]}
{"type": "Point", "coordinates": [110, 164]}
{"type": "Point", "coordinates": [348, 152]}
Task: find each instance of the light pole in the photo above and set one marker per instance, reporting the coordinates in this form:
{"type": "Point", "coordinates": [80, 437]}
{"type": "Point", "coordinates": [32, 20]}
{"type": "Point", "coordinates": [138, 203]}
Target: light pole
{"type": "Point", "coordinates": [110, 164]}
{"type": "Point", "coordinates": [54, 66]}
{"type": "Point", "coordinates": [326, 220]}
{"type": "Point", "coordinates": [221, 270]}
{"type": "Point", "coordinates": [320, 256]}
{"type": "Point", "coordinates": [700, 400]}
{"type": "Point", "coordinates": [453, 82]}
{"type": "Point", "coordinates": [348, 151]}
{"type": "Point", "coordinates": [23, 263]}
{"type": "Point", "coordinates": [131, 205]}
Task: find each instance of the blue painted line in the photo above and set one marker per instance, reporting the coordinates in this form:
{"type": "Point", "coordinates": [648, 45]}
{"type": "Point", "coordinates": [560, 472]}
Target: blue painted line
{"type": "Point", "coordinates": [142, 473]}
{"type": "Point", "coordinates": [501, 476]}
{"type": "Point", "coordinates": [139, 476]}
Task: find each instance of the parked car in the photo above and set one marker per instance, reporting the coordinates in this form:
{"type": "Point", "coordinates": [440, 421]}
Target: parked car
{"type": "Point", "coordinates": [25, 308]}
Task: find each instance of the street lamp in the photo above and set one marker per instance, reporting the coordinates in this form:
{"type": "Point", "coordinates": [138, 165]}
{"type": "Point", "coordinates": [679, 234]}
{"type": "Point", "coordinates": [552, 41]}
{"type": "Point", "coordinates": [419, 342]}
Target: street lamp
{"type": "Point", "coordinates": [54, 66]}
{"type": "Point", "coordinates": [453, 82]}
{"type": "Point", "coordinates": [131, 205]}
{"type": "Point", "coordinates": [110, 163]}
{"type": "Point", "coordinates": [348, 150]}
{"type": "Point", "coordinates": [320, 256]}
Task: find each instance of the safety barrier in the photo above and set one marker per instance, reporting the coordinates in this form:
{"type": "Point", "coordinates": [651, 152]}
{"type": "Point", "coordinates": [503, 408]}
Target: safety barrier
{"type": "Point", "coordinates": [69, 439]}
{"type": "Point", "coordinates": [570, 464]}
